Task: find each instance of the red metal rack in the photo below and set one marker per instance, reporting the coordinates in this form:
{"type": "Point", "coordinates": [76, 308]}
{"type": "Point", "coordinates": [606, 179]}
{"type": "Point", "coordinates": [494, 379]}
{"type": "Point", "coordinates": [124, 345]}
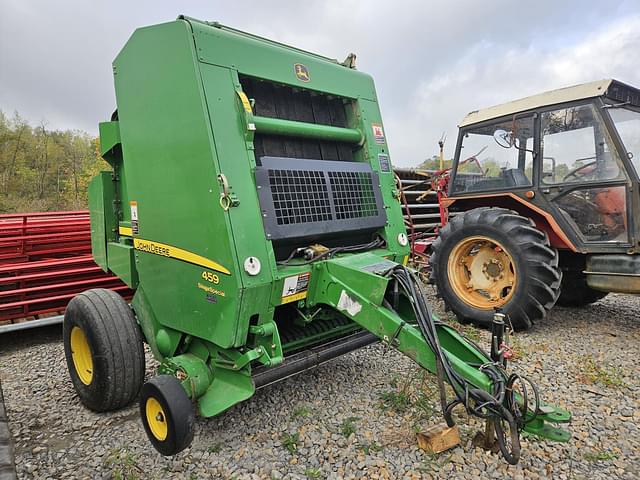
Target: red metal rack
{"type": "Point", "coordinates": [45, 259]}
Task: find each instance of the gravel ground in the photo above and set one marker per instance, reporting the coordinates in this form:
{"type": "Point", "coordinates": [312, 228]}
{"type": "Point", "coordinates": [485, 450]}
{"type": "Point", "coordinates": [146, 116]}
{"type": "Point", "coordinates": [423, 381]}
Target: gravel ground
{"type": "Point", "coordinates": [355, 417]}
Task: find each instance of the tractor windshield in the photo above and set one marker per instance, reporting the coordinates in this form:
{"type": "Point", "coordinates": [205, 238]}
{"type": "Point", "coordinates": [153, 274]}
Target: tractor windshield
{"type": "Point", "coordinates": [628, 125]}
{"type": "Point", "coordinates": [495, 156]}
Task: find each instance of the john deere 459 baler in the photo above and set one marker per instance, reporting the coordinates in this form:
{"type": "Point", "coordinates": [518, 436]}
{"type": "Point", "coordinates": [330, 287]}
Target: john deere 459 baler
{"type": "Point", "coordinates": [253, 210]}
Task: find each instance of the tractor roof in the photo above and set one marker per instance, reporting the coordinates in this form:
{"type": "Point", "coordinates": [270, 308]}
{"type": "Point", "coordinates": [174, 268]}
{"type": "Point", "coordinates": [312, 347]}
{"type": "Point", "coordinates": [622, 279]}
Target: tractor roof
{"type": "Point", "coordinates": [613, 89]}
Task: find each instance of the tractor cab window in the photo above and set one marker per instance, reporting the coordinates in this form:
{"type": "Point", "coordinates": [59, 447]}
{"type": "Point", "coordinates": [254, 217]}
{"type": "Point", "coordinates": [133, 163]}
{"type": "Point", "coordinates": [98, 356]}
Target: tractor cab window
{"type": "Point", "coordinates": [628, 125]}
{"type": "Point", "coordinates": [495, 157]}
{"type": "Point", "coordinates": [576, 147]}
{"type": "Point", "coordinates": [577, 150]}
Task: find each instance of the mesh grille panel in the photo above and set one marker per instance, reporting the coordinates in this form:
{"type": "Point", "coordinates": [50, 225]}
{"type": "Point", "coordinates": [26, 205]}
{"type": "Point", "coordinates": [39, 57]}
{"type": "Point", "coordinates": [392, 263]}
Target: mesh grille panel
{"type": "Point", "coordinates": [353, 195]}
{"type": "Point", "coordinates": [302, 198]}
{"type": "Point", "coordinates": [299, 196]}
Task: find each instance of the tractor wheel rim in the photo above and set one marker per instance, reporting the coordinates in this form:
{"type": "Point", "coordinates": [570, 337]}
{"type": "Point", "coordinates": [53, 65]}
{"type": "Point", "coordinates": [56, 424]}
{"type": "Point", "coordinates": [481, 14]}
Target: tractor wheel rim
{"type": "Point", "coordinates": [482, 272]}
{"type": "Point", "coordinates": [156, 419]}
{"type": "Point", "coordinates": [81, 355]}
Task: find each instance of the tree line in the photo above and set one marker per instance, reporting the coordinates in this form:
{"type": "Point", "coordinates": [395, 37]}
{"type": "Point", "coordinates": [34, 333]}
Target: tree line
{"type": "Point", "coordinates": [43, 169]}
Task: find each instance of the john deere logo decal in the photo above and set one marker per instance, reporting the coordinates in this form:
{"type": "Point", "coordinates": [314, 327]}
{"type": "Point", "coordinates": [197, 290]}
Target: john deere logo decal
{"type": "Point", "coordinates": [302, 72]}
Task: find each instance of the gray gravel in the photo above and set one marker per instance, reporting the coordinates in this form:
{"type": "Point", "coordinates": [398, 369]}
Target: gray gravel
{"type": "Point", "coordinates": [355, 417]}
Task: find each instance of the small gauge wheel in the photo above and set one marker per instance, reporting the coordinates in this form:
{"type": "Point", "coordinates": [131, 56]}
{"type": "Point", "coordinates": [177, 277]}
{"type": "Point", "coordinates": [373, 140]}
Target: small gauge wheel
{"type": "Point", "coordinates": [167, 414]}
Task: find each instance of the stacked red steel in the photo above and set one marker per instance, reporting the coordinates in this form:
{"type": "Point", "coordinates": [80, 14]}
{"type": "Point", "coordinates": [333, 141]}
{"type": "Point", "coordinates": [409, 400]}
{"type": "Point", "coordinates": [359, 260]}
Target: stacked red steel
{"type": "Point", "coordinates": [45, 259]}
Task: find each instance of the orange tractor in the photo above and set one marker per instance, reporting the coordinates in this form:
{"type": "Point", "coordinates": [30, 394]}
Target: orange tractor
{"type": "Point", "coordinates": [541, 205]}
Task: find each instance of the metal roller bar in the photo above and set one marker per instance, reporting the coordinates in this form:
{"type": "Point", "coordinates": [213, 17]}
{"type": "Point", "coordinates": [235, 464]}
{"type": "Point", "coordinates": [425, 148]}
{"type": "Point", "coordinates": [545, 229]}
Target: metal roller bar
{"type": "Point", "coordinates": [311, 358]}
{"type": "Point", "coordinates": [422, 205]}
{"type": "Point", "coordinates": [419, 192]}
{"type": "Point", "coordinates": [423, 216]}
{"type": "Point", "coordinates": [276, 126]}
{"type": "Point", "coordinates": [40, 322]}
{"type": "Point", "coordinates": [426, 226]}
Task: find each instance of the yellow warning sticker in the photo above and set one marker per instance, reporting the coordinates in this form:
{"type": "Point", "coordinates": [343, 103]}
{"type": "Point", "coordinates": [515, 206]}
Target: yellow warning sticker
{"type": "Point", "coordinates": [245, 101]}
{"type": "Point", "coordinates": [294, 298]}
{"type": "Point", "coordinates": [170, 251]}
{"type": "Point", "coordinates": [295, 287]}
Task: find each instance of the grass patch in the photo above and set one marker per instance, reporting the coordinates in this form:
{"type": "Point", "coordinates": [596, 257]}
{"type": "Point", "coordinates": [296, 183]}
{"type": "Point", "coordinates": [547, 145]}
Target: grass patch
{"type": "Point", "coordinates": [600, 455]}
{"type": "Point", "coordinates": [519, 350]}
{"type": "Point", "coordinates": [372, 447]}
{"type": "Point", "coordinates": [348, 426]}
{"type": "Point", "coordinates": [290, 441]}
{"type": "Point", "coordinates": [313, 473]}
{"type": "Point", "coordinates": [592, 371]}
{"type": "Point", "coordinates": [398, 401]}
{"type": "Point", "coordinates": [301, 411]}
{"type": "Point", "coordinates": [215, 448]}
{"type": "Point", "coordinates": [123, 465]}
{"type": "Point", "coordinates": [415, 394]}
{"type": "Point", "coordinates": [423, 405]}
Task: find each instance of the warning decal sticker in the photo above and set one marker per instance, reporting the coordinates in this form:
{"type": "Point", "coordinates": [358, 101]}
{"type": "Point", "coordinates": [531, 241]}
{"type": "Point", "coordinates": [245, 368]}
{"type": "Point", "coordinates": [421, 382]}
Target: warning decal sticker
{"type": "Point", "coordinates": [134, 217]}
{"type": "Point", "coordinates": [385, 164]}
{"type": "Point", "coordinates": [302, 72]}
{"type": "Point", "coordinates": [378, 133]}
{"type": "Point", "coordinates": [295, 287]}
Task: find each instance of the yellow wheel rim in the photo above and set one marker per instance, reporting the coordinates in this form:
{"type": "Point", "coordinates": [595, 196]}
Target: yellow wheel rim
{"type": "Point", "coordinates": [156, 419]}
{"type": "Point", "coordinates": [482, 272]}
{"type": "Point", "coordinates": [81, 354]}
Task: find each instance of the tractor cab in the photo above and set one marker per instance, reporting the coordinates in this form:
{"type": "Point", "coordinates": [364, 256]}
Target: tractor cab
{"type": "Point", "coordinates": [570, 156]}
{"type": "Point", "coordinates": [542, 205]}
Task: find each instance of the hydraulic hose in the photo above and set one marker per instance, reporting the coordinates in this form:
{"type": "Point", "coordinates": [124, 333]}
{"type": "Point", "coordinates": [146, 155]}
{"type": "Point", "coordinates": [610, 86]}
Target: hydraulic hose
{"type": "Point", "coordinates": [498, 406]}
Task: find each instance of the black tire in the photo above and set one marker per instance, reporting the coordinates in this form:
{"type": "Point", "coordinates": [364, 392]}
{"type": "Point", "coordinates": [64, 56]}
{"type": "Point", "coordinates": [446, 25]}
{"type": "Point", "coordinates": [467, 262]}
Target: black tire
{"type": "Point", "coordinates": [174, 424]}
{"type": "Point", "coordinates": [537, 274]}
{"type": "Point", "coordinates": [575, 292]}
{"type": "Point", "coordinates": [116, 353]}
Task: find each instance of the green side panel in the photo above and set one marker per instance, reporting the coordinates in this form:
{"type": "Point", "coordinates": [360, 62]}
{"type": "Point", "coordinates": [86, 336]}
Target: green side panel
{"type": "Point", "coordinates": [109, 140]}
{"type": "Point", "coordinates": [235, 160]}
{"type": "Point", "coordinates": [168, 150]}
{"type": "Point", "coordinates": [369, 114]}
{"type": "Point", "coordinates": [262, 58]}
{"type": "Point", "coordinates": [103, 222]}
{"type": "Point", "coordinates": [122, 263]}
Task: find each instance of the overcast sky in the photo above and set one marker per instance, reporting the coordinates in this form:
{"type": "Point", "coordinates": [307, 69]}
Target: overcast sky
{"type": "Point", "coordinates": [433, 61]}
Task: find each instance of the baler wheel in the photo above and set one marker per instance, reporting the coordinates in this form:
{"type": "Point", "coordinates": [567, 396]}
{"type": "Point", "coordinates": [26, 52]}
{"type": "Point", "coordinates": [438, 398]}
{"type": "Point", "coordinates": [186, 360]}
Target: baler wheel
{"type": "Point", "coordinates": [103, 348]}
{"type": "Point", "coordinates": [490, 258]}
{"type": "Point", "coordinates": [167, 414]}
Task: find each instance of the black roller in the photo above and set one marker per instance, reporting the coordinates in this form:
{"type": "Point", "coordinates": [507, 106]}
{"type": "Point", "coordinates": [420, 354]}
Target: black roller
{"type": "Point", "coordinates": [311, 358]}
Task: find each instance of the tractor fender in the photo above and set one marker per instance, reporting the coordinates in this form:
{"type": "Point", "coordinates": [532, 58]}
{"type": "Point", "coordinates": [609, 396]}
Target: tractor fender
{"type": "Point", "coordinates": [544, 220]}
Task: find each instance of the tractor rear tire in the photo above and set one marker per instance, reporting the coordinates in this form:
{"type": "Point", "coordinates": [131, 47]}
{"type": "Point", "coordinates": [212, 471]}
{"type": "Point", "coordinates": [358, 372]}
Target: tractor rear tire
{"type": "Point", "coordinates": [575, 292]}
{"type": "Point", "coordinates": [104, 351]}
{"type": "Point", "coordinates": [489, 258]}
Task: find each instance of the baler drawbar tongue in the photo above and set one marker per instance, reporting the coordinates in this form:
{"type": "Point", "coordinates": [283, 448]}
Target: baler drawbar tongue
{"type": "Point", "coordinates": [372, 294]}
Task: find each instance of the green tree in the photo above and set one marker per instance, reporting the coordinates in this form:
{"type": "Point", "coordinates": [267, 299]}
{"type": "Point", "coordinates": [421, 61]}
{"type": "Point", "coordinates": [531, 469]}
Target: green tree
{"type": "Point", "coordinates": [44, 169]}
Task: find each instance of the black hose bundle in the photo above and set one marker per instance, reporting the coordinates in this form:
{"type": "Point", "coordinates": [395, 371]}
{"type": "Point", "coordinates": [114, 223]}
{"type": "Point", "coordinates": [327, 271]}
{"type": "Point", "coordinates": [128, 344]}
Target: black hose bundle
{"type": "Point", "coordinates": [499, 406]}
{"type": "Point", "coordinates": [377, 242]}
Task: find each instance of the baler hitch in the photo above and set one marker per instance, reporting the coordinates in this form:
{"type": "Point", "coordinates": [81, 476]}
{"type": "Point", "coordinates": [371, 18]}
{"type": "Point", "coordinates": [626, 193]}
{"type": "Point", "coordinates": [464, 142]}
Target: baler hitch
{"type": "Point", "coordinates": [393, 306]}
